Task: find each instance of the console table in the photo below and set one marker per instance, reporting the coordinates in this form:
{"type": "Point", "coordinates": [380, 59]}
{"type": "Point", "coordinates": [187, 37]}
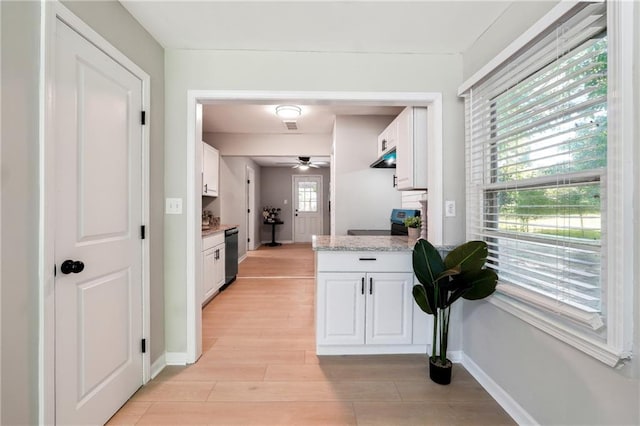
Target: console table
{"type": "Point", "coordinates": [273, 232]}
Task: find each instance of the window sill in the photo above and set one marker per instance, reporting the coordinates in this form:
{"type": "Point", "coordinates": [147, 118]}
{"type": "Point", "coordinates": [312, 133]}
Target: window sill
{"type": "Point", "coordinates": [539, 319]}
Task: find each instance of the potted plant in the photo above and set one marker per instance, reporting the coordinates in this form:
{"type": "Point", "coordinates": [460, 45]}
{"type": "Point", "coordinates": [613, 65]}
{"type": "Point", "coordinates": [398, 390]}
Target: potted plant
{"type": "Point", "coordinates": [442, 282]}
{"type": "Point", "coordinates": [413, 227]}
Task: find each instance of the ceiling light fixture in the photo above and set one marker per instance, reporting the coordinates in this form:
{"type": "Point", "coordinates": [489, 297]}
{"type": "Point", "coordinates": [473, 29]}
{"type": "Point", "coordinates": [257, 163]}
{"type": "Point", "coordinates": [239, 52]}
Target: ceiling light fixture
{"type": "Point", "coordinates": [288, 111]}
{"type": "Point", "coordinates": [303, 167]}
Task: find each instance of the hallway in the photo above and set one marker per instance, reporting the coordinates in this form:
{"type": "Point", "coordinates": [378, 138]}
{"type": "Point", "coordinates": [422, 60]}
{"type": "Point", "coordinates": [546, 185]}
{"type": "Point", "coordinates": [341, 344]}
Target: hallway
{"type": "Point", "coordinates": [259, 366]}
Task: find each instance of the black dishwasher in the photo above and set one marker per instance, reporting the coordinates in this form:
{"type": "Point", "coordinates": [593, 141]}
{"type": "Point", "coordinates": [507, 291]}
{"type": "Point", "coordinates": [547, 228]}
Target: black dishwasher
{"type": "Point", "coordinates": [231, 255]}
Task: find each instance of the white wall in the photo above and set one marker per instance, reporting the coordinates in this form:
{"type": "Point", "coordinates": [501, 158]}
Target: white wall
{"type": "Point", "coordinates": [364, 196]}
{"type": "Point", "coordinates": [233, 199]}
{"type": "Point", "coordinates": [294, 71]}
{"type": "Point", "coordinates": [270, 145]}
{"type": "Point", "coordinates": [552, 381]}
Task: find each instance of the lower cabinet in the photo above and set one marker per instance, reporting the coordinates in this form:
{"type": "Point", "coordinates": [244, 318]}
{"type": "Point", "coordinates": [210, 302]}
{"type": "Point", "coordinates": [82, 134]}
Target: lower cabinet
{"type": "Point", "coordinates": [213, 257]}
{"type": "Point", "coordinates": [364, 304]}
{"type": "Point", "coordinates": [364, 308]}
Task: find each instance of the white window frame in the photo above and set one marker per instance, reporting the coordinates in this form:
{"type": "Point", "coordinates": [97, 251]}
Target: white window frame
{"type": "Point", "coordinates": [619, 251]}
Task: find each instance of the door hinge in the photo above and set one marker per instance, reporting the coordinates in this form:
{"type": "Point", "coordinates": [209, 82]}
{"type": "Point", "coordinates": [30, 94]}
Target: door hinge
{"type": "Point", "coordinates": [248, 181]}
{"type": "Point", "coordinates": [143, 117]}
{"type": "Point", "coordinates": [143, 346]}
{"type": "Point", "coordinates": [248, 240]}
{"type": "Point", "coordinates": [248, 210]}
{"type": "Point", "coordinates": [142, 232]}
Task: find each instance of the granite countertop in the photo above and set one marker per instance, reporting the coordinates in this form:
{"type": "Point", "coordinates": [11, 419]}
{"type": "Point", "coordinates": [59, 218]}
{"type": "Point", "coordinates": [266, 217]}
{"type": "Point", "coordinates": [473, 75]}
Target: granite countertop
{"type": "Point", "coordinates": [362, 243]}
{"type": "Point", "coordinates": [221, 228]}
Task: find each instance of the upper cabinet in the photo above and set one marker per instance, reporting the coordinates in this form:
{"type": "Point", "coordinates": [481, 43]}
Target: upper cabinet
{"type": "Point", "coordinates": [210, 169]}
{"type": "Point", "coordinates": [411, 148]}
{"type": "Point", "coordinates": [387, 139]}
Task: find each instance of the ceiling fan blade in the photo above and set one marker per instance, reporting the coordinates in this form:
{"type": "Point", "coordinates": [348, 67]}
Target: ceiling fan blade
{"type": "Point", "coordinates": [313, 165]}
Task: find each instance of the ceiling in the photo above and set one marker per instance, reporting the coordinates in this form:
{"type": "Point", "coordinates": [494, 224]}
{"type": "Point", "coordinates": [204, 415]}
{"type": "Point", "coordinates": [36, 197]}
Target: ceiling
{"type": "Point", "coordinates": [415, 27]}
{"type": "Point", "coordinates": [318, 26]}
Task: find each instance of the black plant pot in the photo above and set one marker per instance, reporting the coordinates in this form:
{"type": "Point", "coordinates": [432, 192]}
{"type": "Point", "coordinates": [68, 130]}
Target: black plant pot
{"type": "Point", "coordinates": [441, 374]}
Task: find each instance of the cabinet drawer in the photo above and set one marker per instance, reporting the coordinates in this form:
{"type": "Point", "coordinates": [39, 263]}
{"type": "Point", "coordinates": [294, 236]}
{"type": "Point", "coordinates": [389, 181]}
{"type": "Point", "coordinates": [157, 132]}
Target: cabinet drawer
{"type": "Point", "coordinates": [364, 261]}
{"type": "Point", "coordinates": [211, 241]}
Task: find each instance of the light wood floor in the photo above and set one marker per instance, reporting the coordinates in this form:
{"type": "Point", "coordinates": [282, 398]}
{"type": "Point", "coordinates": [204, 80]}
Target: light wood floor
{"type": "Point", "coordinates": [259, 366]}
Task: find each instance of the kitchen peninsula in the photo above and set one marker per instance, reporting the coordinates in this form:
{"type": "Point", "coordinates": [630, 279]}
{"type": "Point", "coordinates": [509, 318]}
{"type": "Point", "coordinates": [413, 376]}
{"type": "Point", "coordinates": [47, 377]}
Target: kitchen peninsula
{"type": "Point", "coordinates": [364, 303]}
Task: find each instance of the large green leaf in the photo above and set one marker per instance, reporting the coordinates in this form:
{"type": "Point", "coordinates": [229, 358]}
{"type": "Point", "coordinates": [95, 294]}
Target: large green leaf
{"type": "Point", "coordinates": [420, 296]}
{"type": "Point", "coordinates": [483, 283]}
{"type": "Point", "coordinates": [469, 256]}
{"type": "Point", "coordinates": [427, 263]}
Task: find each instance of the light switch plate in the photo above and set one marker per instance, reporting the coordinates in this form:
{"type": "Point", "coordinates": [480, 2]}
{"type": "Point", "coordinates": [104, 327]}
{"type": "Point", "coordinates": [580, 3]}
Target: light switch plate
{"type": "Point", "coordinates": [173, 206]}
{"type": "Point", "coordinates": [450, 208]}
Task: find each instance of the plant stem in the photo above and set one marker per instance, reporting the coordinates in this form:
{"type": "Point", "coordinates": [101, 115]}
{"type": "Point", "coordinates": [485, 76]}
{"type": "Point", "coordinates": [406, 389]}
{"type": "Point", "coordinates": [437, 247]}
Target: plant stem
{"type": "Point", "coordinates": [435, 325]}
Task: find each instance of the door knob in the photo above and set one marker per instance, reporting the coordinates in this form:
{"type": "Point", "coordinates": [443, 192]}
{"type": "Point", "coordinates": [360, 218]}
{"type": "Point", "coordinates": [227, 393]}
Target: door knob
{"type": "Point", "coordinates": [69, 266]}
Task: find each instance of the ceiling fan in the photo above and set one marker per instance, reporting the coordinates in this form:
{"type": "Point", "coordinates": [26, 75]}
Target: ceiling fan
{"type": "Point", "coordinates": [305, 162]}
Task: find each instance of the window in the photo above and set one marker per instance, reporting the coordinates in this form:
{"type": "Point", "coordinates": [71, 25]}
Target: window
{"type": "Point", "coordinates": [539, 178]}
{"type": "Point", "coordinates": [307, 197]}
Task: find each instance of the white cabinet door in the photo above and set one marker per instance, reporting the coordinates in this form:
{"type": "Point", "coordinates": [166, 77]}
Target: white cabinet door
{"type": "Point", "coordinates": [210, 167]}
{"type": "Point", "coordinates": [389, 318]}
{"type": "Point", "coordinates": [340, 308]}
{"type": "Point", "coordinates": [218, 280]}
{"type": "Point", "coordinates": [208, 273]}
{"type": "Point", "coordinates": [387, 140]}
{"type": "Point", "coordinates": [411, 150]}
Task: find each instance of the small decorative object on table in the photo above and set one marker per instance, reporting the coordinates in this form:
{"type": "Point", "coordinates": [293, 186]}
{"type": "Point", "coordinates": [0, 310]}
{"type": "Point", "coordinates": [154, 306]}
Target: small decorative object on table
{"type": "Point", "coordinates": [270, 214]}
{"type": "Point", "coordinates": [442, 282]}
{"type": "Point", "coordinates": [413, 224]}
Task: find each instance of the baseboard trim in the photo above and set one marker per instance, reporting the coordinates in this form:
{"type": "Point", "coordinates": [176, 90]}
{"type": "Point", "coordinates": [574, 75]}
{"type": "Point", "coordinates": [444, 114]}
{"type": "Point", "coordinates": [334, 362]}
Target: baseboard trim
{"type": "Point", "coordinates": [242, 258]}
{"type": "Point", "coordinates": [175, 358]}
{"type": "Point", "coordinates": [515, 410]}
{"type": "Point", "coordinates": [265, 243]}
{"type": "Point", "coordinates": [158, 365]}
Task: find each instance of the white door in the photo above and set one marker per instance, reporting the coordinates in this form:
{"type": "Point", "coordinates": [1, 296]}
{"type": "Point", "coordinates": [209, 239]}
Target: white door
{"type": "Point", "coordinates": [98, 199]}
{"type": "Point", "coordinates": [341, 308]}
{"type": "Point", "coordinates": [251, 209]}
{"type": "Point", "coordinates": [307, 198]}
{"type": "Point", "coordinates": [389, 308]}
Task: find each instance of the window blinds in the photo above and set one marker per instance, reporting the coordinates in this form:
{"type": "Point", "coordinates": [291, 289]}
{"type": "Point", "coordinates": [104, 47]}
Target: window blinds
{"type": "Point", "coordinates": [536, 131]}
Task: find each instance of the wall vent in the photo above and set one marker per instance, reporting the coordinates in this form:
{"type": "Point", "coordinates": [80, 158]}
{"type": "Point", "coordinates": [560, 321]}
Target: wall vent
{"type": "Point", "coordinates": [290, 124]}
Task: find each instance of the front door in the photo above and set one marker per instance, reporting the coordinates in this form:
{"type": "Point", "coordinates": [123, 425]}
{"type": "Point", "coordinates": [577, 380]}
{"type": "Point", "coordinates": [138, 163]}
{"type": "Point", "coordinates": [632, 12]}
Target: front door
{"type": "Point", "coordinates": [98, 248]}
{"type": "Point", "coordinates": [307, 194]}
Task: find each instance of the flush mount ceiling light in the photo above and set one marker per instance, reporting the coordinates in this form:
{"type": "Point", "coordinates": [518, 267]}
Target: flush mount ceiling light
{"type": "Point", "coordinates": [288, 111]}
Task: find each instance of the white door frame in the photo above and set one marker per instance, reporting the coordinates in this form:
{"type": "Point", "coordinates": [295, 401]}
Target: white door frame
{"type": "Point", "coordinates": [193, 231]}
{"type": "Point", "coordinates": [52, 11]}
{"type": "Point", "coordinates": [294, 198]}
{"type": "Point", "coordinates": [251, 214]}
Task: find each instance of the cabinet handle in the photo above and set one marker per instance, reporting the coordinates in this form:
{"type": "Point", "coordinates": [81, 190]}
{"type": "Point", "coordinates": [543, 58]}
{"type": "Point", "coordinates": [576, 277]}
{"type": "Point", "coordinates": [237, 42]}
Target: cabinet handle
{"type": "Point", "coordinates": [395, 181]}
{"type": "Point", "coordinates": [368, 259]}
{"type": "Point", "coordinates": [384, 144]}
{"type": "Point", "coordinates": [362, 288]}
{"type": "Point", "coordinates": [370, 285]}
{"type": "Point", "coordinates": [205, 188]}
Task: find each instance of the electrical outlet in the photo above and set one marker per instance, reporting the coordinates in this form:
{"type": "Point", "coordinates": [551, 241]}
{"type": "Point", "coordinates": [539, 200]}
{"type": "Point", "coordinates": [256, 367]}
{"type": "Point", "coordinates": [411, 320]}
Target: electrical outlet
{"type": "Point", "coordinates": [450, 208]}
{"type": "Point", "coordinates": [285, 202]}
{"type": "Point", "coordinates": [173, 206]}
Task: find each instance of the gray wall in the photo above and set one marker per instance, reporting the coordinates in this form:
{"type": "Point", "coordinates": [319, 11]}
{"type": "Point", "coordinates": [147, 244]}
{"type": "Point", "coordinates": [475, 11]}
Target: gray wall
{"type": "Point", "coordinates": [20, 190]}
{"type": "Point", "coordinates": [552, 381]}
{"type": "Point", "coordinates": [19, 156]}
{"type": "Point", "coordinates": [233, 200]}
{"type": "Point", "coordinates": [277, 186]}
{"type": "Point", "coordinates": [114, 23]}
{"type": "Point", "coordinates": [364, 196]}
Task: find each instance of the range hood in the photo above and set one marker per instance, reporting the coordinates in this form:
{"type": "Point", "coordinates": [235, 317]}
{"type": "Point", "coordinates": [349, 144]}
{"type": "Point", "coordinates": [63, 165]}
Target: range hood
{"type": "Point", "coordinates": [386, 161]}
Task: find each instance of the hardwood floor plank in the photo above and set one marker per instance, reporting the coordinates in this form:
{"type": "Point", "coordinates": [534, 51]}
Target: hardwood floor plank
{"type": "Point", "coordinates": [251, 413]}
{"type": "Point", "coordinates": [304, 391]}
